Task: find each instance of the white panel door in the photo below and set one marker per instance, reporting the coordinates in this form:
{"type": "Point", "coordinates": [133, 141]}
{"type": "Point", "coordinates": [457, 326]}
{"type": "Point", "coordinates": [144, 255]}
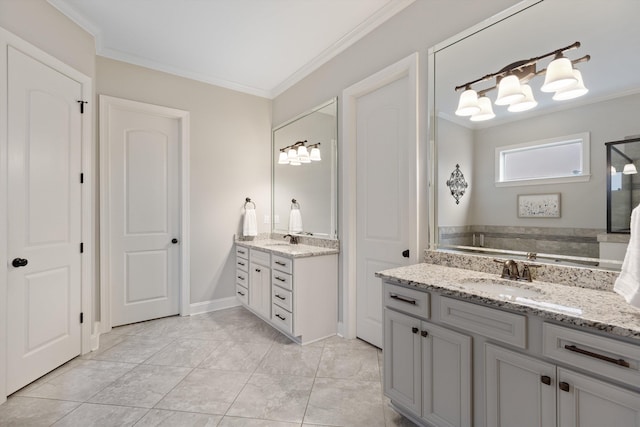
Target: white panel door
{"type": "Point", "coordinates": [44, 278]}
{"type": "Point", "coordinates": [144, 214]}
{"type": "Point", "coordinates": [385, 217]}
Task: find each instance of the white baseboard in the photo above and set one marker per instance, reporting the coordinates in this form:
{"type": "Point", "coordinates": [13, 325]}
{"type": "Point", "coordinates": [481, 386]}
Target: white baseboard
{"type": "Point", "coordinates": [341, 329]}
{"type": "Point", "coordinates": [213, 305]}
{"type": "Point", "coordinates": [95, 336]}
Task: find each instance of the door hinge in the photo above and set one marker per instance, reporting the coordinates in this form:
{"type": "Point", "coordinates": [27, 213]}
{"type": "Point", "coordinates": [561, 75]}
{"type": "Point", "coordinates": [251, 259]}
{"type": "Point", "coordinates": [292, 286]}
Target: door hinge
{"type": "Point", "coordinates": [81, 248]}
{"type": "Point", "coordinates": [82, 106]}
{"type": "Point", "coordinates": [81, 317]}
{"type": "Point", "coordinates": [81, 178]}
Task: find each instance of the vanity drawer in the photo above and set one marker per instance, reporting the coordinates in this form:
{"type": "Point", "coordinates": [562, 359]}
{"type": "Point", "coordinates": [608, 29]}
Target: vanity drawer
{"type": "Point", "coordinates": [260, 257]}
{"type": "Point", "coordinates": [283, 280]}
{"type": "Point", "coordinates": [282, 318]}
{"type": "Point", "coordinates": [282, 297]}
{"type": "Point", "coordinates": [410, 301]}
{"type": "Point", "coordinates": [242, 252]}
{"type": "Point", "coordinates": [243, 294]}
{"type": "Point", "coordinates": [242, 264]}
{"type": "Point", "coordinates": [242, 278]}
{"type": "Point", "coordinates": [499, 325]}
{"type": "Point", "coordinates": [282, 264]}
{"type": "Point", "coordinates": [606, 356]}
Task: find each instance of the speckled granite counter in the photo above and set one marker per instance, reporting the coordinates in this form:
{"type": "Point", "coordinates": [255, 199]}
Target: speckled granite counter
{"type": "Point", "coordinates": [590, 308]}
{"type": "Point", "coordinates": [279, 247]}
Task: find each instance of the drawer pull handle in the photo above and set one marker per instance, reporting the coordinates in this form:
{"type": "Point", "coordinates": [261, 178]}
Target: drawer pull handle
{"type": "Point", "coordinates": [619, 362]}
{"type": "Point", "coordinates": [241, 252]}
{"type": "Point", "coordinates": [545, 379]}
{"type": "Point", "coordinates": [279, 297]}
{"type": "Point", "coordinates": [240, 293]}
{"type": "Point", "coordinates": [240, 277]}
{"type": "Point", "coordinates": [424, 334]}
{"type": "Point", "coordinates": [280, 317]}
{"type": "Point", "coordinates": [281, 263]}
{"type": "Point", "coordinates": [240, 263]}
{"type": "Point", "coordinates": [258, 270]}
{"type": "Point", "coordinates": [414, 330]}
{"type": "Point", "coordinates": [399, 298]}
{"type": "Point", "coordinates": [563, 386]}
{"type": "Point", "coordinates": [280, 279]}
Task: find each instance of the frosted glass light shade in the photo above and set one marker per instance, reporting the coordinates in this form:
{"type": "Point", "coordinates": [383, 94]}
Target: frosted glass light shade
{"type": "Point", "coordinates": [283, 159]}
{"type": "Point", "coordinates": [509, 91]}
{"type": "Point", "coordinates": [295, 162]}
{"type": "Point", "coordinates": [468, 103]}
{"type": "Point", "coordinates": [315, 154]}
{"type": "Point", "coordinates": [303, 154]}
{"type": "Point", "coordinates": [486, 110]}
{"type": "Point", "coordinates": [526, 103]}
{"type": "Point", "coordinates": [292, 154]}
{"type": "Point", "coordinates": [573, 91]}
{"type": "Point", "coordinates": [613, 170]}
{"type": "Point", "coordinates": [559, 75]}
{"type": "Point", "coordinates": [629, 169]}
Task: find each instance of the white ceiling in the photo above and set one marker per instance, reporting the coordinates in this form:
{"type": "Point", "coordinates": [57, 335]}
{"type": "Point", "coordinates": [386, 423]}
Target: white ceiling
{"type": "Point", "coordinates": [260, 47]}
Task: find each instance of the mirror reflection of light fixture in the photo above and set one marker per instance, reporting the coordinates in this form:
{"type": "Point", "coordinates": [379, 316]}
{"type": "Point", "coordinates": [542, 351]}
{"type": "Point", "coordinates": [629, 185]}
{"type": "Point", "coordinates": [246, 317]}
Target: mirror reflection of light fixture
{"type": "Point", "coordinates": [486, 110]}
{"type": "Point", "coordinates": [613, 170]}
{"type": "Point", "coordinates": [298, 153]}
{"type": "Point", "coordinates": [629, 169]}
{"type": "Point", "coordinates": [514, 90]}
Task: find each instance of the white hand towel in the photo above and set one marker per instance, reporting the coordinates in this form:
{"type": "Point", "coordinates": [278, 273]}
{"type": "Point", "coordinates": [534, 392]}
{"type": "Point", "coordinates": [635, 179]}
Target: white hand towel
{"type": "Point", "coordinates": [295, 221]}
{"type": "Point", "coordinates": [628, 282]}
{"type": "Point", "coordinates": [250, 223]}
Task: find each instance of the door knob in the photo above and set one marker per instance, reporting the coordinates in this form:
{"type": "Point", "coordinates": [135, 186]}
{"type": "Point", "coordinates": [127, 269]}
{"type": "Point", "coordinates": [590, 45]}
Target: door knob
{"type": "Point", "coordinates": [405, 253]}
{"type": "Point", "coordinates": [174, 241]}
{"type": "Point", "coordinates": [19, 262]}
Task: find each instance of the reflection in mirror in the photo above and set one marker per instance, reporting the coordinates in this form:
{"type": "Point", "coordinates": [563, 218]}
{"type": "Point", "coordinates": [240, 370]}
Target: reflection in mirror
{"type": "Point", "coordinates": [486, 219]}
{"type": "Point", "coordinates": [305, 173]}
{"type": "Point", "coordinates": [623, 183]}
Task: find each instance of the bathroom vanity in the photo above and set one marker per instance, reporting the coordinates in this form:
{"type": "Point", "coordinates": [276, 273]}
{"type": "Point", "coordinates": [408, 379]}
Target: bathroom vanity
{"type": "Point", "coordinates": [293, 287]}
{"type": "Point", "coordinates": [465, 348]}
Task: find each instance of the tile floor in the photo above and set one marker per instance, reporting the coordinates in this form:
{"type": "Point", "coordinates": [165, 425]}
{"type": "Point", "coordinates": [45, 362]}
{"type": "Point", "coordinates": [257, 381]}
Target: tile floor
{"type": "Point", "coordinates": [226, 368]}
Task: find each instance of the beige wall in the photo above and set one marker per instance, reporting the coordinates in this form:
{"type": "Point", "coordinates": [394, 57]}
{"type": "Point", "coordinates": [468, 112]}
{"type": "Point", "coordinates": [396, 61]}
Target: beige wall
{"type": "Point", "coordinates": [230, 160]}
{"type": "Point", "coordinates": [39, 23]}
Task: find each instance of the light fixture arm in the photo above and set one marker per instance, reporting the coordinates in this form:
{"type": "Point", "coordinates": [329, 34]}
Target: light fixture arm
{"type": "Point", "coordinates": [521, 65]}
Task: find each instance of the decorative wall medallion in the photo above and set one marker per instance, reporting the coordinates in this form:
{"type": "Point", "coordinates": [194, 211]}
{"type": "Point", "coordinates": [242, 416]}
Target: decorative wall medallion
{"type": "Point", "coordinates": [457, 184]}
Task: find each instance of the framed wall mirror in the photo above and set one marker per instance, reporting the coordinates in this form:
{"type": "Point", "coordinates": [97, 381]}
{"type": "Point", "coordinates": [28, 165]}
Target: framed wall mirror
{"type": "Point", "coordinates": [304, 181]}
{"type": "Point", "coordinates": [486, 218]}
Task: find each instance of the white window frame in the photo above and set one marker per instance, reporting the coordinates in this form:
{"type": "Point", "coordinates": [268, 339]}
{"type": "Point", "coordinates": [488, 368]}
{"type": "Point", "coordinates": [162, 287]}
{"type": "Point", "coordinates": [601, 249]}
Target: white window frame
{"type": "Point", "coordinates": [586, 161]}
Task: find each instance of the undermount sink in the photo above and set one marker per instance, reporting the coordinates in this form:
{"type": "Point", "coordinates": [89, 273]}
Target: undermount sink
{"type": "Point", "coordinates": [500, 289]}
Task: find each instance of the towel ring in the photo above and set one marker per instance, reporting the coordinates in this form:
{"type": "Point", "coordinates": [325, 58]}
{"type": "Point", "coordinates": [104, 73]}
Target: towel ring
{"type": "Point", "coordinates": [247, 201]}
{"type": "Point", "coordinates": [295, 204]}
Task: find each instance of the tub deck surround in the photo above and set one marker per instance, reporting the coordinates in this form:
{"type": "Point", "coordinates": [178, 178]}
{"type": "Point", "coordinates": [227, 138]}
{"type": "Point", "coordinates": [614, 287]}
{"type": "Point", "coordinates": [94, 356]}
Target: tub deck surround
{"type": "Point", "coordinates": [600, 310]}
{"type": "Point", "coordinates": [281, 247]}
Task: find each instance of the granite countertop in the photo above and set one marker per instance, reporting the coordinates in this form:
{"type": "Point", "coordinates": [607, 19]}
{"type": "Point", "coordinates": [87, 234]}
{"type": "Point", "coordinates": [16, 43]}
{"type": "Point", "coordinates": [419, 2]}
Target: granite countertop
{"type": "Point", "coordinates": [601, 310]}
{"type": "Point", "coordinates": [279, 247]}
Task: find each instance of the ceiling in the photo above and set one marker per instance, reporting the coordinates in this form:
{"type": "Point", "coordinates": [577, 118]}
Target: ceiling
{"type": "Point", "coordinates": [261, 47]}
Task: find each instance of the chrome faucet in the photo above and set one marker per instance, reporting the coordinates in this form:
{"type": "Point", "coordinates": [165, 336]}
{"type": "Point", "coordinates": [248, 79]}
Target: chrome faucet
{"type": "Point", "coordinates": [292, 239]}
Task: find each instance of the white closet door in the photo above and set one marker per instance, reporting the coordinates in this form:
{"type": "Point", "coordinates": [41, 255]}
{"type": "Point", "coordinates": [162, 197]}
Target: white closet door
{"type": "Point", "coordinates": [144, 211]}
{"type": "Point", "coordinates": [44, 211]}
{"type": "Point", "coordinates": [385, 206]}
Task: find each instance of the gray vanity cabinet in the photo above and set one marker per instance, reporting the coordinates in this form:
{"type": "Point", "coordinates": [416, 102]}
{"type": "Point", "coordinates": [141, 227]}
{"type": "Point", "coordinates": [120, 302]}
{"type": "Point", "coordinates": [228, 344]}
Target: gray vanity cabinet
{"type": "Point", "coordinates": [427, 368]}
{"type": "Point", "coordinates": [260, 282]}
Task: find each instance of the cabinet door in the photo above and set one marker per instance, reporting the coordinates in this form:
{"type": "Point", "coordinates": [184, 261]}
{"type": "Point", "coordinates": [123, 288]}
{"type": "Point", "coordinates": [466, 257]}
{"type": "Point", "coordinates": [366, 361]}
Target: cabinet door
{"type": "Point", "coordinates": [588, 402]}
{"type": "Point", "coordinates": [260, 289]}
{"type": "Point", "coordinates": [520, 390]}
{"type": "Point", "coordinates": [402, 364]}
{"type": "Point", "coordinates": [446, 370]}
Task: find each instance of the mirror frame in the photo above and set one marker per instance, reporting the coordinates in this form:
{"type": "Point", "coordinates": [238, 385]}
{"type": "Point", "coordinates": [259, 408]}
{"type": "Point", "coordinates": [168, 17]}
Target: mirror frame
{"type": "Point", "coordinates": [434, 243]}
{"type": "Point", "coordinates": [333, 157]}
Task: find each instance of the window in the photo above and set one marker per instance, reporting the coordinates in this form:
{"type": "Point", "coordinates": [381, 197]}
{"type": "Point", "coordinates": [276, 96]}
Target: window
{"type": "Point", "coordinates": [563, 159]}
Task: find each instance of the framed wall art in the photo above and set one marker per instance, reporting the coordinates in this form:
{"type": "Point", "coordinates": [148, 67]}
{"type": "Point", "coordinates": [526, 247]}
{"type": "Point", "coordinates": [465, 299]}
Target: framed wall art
{"type": "Point", "coordinates": [539, 205]}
